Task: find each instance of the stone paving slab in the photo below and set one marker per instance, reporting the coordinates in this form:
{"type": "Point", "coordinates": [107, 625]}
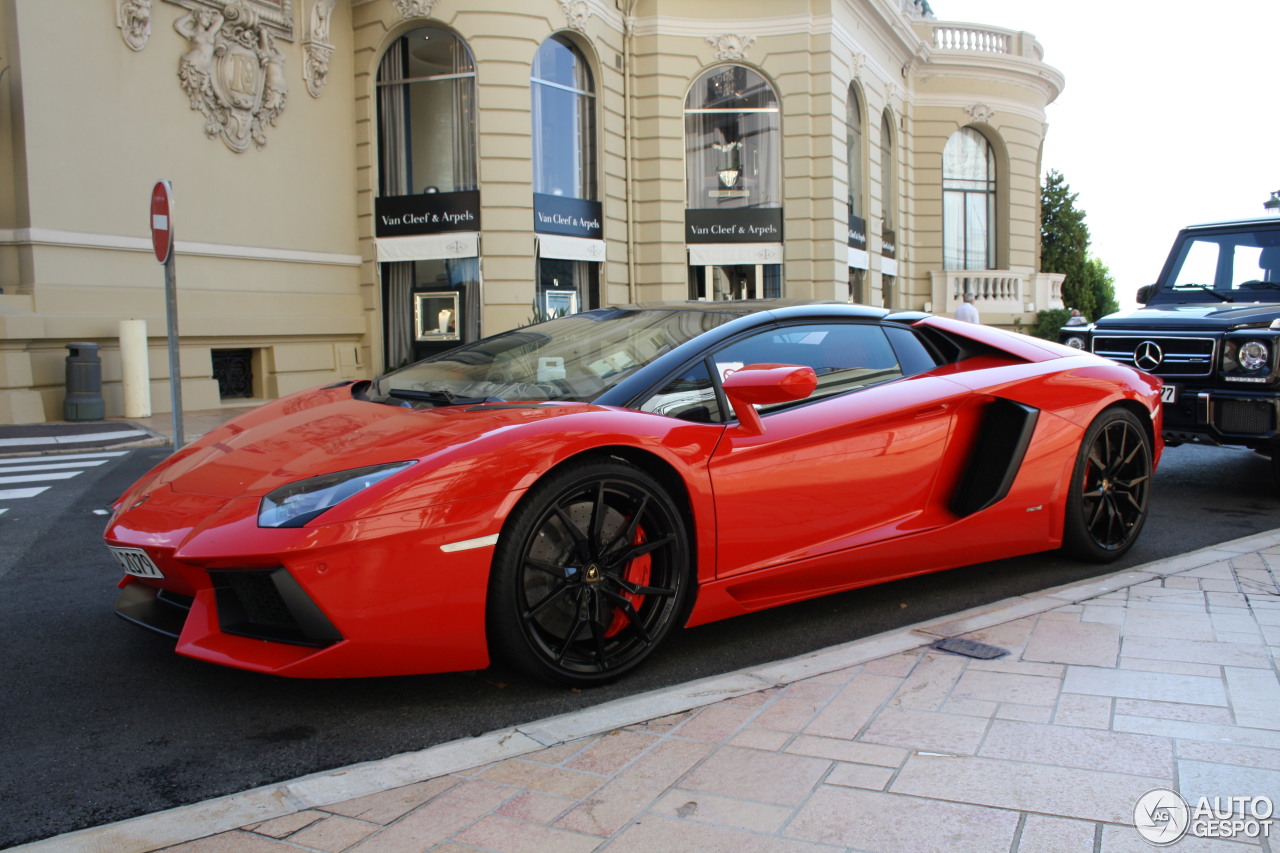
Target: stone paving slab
{"type": "Point", "coordinates": [883, 744]}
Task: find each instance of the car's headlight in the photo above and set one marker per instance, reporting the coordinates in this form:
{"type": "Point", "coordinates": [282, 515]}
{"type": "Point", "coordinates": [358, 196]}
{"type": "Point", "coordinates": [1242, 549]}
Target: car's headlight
{"type": "Point", "coordinates": [1253, 356]}
{"type": "Point", "coordinates": [1075, 342]}
{"type": "Point", "coordinates": [297, 503]}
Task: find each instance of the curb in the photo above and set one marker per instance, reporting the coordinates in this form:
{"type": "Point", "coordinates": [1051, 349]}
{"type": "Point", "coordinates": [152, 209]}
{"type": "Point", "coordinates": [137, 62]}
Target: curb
{"type": "Point", "coordinates": [199, 820]}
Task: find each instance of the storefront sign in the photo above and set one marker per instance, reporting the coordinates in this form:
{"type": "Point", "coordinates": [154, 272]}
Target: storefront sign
{"type": "Point", "coordinates": [733, 226]}
{"type": "Point", "coordinates": [889, 243]}
{"type": "Point", "coordinates": [572, 217]}
{"type": "Point", "coordinates": [857, 232]}
{"type": "Point", "coordinates": [426, 213]}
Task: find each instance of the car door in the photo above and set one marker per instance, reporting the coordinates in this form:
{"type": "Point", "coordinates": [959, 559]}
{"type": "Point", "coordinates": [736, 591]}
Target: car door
{"type": "Point", "coordinates": [855, 463]}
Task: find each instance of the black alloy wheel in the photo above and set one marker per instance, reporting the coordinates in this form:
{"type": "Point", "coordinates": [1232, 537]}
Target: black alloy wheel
{"type": "Point", "coordinates": [591, 573]}
{"type": "Point", "coordinates": [1110, 488]}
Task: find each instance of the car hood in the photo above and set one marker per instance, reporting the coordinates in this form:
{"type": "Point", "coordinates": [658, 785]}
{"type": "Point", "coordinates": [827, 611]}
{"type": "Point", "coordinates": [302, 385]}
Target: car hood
{"type": "Point", "coordinates": [1200, 316]}
{"type": "Point", "coordinates": [320, 432]}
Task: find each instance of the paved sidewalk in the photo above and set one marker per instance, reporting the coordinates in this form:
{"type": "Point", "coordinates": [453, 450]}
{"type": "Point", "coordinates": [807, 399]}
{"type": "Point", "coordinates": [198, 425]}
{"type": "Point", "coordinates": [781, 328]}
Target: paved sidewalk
{"type": "Point", "coordinates": [1163, 676]}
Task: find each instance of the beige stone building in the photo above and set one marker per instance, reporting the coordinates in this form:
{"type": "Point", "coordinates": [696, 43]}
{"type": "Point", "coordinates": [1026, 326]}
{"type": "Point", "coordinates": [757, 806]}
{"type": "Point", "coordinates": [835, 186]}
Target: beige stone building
{"type": "Point", "coordinates": [357, 183]}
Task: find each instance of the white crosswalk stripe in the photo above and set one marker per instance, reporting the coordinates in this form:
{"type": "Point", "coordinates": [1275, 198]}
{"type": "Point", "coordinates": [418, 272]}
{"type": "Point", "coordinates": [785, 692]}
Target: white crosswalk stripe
{"type": "Point", "coordinates": [28, 471]}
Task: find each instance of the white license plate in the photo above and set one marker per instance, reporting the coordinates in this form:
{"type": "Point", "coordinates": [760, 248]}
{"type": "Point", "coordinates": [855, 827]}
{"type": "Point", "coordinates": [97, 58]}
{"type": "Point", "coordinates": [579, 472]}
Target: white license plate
{"type": "Point", "coordinates": [135, 562]}
{"type": "Point", "coordinates": [1169, 394]}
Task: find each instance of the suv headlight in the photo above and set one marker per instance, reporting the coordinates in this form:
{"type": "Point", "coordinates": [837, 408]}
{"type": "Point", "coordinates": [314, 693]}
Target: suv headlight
{"type": "Point", "coordinates": [1253, 356]}
{"type": "Point", "coordinates": [297, 503]}
{"type": "Point", "coordinates": [1075, 342]}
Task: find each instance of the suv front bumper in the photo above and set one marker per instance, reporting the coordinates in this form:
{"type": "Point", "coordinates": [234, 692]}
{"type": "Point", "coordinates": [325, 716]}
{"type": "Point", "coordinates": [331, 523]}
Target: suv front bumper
{"type": "Point", "coordinates": [1221, 416]}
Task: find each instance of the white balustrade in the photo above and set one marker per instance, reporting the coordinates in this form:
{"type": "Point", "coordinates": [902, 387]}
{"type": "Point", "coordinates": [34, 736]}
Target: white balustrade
{"type": "Point", "coordinates": [996, 292]}
{"type": "Point", "coordinates": [969, 38]}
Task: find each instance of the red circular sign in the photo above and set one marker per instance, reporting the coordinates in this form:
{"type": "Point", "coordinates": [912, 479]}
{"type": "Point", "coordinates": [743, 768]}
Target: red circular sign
{"type": "Point", "coordinates": [162, 220]}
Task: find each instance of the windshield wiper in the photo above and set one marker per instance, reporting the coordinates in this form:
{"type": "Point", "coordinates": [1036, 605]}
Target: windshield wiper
{"type": "Point", "coordinates": [1260, 285]}
{"type": "Point", "coordinates": [443, 398]}
{"type": "Point", "coordinates": [1201, 287]}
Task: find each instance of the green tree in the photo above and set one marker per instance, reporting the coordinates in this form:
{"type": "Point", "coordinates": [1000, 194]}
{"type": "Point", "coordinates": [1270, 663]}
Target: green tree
{"type": "Point", "coordinates": [1064, 242]}
{"type": "Point", "coordinates": [1102, 285]}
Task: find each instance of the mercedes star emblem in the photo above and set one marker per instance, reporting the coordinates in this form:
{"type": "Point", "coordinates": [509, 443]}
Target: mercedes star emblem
{"type": "Point", "coordinates": [1148, 355]}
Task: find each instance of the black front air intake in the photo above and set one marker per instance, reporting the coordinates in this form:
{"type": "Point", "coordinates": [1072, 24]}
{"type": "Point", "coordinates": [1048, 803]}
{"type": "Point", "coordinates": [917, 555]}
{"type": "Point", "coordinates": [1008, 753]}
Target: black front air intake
{"type": "Point", "coordinates": [268, 604]}
{"type": "Point", "coordinates": [996, 457]}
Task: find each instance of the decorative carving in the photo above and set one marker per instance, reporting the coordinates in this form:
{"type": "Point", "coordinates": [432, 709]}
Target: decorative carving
{"type": "Point", "coordinates": [576, 14]}
{"type": "Point", "coordinates": [980, 113]}
{"type": "Point", "coordinates": [318, 50]}
{"type": "Point", "coordinates": [416, 8]}
{"type": "Point", "coordinates": [276, 14]}
{"type": "Point", "coordinates": [730, 46]}
{"type": "Point", "coordinates": [133, 17]}
{"type": "Point", "coordinates": [858, 62]}
{"type": "Point", "coordinates": [233, 73]}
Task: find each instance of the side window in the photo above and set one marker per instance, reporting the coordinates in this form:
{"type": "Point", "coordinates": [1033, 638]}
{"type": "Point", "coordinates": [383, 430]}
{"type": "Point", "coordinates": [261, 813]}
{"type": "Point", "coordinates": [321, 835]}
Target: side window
{"type": "Point", "coordinates": [846, 356]}
{"type": "Point", "coordinates": [912, 353]}
{"type": "Point", "coordinates": [691, 396]}
{"type": "Point", "coordinates": [1246, 266]}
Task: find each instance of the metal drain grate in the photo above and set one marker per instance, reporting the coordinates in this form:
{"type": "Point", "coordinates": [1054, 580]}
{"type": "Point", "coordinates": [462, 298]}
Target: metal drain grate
{"type": "Point", "coordinates": [969, 648]}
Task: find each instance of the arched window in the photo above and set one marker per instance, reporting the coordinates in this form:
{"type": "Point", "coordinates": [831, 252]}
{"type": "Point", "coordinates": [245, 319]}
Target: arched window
{"type": "Point", "coordinates": [858, 260]}
{"type": "Point", "coordinates": [427, 113]}
{"type": "Point", "coordinates": [853, 119]}
{"type": "Point", "coordinates": [426, 99]}
{"type": "Point", "coordinates": [733, 186]}
{"type": "Point", "coordinates": [888, 179]}
{"type": "Point", "coordinates": [888, 212]}
{"type": "Point", "coordinates": [567, 211]}
{"type": "Point", "coordinates": [968, 202]}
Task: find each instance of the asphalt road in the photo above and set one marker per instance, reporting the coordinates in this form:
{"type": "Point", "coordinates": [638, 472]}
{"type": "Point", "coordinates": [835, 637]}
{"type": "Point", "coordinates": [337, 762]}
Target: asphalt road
{"type": "Point", "coordinates": [103, 722]}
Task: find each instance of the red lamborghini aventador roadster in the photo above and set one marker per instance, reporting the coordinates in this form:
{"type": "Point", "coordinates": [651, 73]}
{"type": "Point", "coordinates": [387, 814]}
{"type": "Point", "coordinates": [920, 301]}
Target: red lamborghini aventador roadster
{"type": "Point", "coordinates": [564, 494]}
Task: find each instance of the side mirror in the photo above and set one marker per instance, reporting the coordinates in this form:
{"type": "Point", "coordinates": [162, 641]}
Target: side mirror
{"type": "Point", "coordinates": [1144, 293]}
{"type": "Point", "coordinates": [765, 384]}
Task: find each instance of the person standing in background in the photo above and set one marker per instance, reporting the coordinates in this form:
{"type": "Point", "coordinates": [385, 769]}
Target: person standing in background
{"type": "Point", "coordinates": [967, 311]}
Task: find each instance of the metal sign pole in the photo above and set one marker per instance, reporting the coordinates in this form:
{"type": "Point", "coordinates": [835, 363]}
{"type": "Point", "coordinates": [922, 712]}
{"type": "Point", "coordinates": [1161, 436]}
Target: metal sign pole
{"type": "Point", "coordinates": [175, 367]}
{"type": "Point", "coordinates": [162, 243]}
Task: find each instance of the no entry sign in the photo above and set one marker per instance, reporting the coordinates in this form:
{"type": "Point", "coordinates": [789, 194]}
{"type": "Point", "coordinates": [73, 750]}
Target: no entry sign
{"type": "Point", "coordinates": [162, 220]}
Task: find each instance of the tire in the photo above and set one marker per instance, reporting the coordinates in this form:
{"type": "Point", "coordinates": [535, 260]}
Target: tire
{"type": "Point", "coordinates": [1110, 488]}
{"type": "Point", "coordinates": [590, 574]}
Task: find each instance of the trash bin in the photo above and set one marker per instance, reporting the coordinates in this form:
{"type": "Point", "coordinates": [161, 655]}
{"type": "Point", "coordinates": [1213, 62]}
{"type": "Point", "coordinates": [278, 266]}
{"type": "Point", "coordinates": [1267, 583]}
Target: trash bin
{"type": "Point", "coordinates": [84, 384]}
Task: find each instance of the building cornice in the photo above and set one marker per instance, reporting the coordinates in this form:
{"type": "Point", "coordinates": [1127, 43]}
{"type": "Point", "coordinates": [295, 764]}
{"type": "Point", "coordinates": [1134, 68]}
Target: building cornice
{"type": "Point", "coordinates": [116, 242]}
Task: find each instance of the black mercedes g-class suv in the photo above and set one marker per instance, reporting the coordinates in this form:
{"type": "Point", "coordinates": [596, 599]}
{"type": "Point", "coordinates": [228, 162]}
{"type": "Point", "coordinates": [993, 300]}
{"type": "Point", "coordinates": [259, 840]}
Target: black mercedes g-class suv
{"type": "Point", "coordinates": [1210, 327]}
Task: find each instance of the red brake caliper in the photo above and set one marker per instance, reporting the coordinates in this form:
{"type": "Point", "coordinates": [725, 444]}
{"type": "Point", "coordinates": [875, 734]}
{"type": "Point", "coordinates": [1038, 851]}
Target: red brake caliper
{"type": "Point", "coordinates": [637, 573]}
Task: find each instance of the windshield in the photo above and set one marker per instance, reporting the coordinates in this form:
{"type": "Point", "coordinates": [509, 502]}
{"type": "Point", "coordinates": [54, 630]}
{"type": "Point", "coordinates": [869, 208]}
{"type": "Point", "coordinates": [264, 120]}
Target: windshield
{"type": "Point", "coordinates": [1227, 267]}
{"type": "Point", "coordinates": [575, 358]}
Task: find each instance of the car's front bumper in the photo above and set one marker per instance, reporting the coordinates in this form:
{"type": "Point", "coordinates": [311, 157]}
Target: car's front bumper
{"type": "Point", "coordinates": [373, 597]}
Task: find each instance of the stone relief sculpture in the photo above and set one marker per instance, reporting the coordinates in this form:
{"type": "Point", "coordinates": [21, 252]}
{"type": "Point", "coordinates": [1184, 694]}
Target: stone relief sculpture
{"type": "Point", "coordinates": [233, 73]}
{"type": "Point", "coordinates": [276, 14]}
{"type": "Point", "coordinates": [730, 46]}
{"type": "Point", "coordinates": [858, 62]}
{"type": "Point", "coordinates": [318, 50]}
{"type": "Point", "coordinates": [980, 113]}
{"type": "Point", "coordinates": [576, 14]}
{"type": "Point", "coordinates": [133, 17]}
{"type": "Point", "coordinates": [415, 8]}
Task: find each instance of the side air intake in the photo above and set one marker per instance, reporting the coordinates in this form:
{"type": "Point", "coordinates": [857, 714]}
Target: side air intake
{"type": "Point", "coordinates": [997, 455]}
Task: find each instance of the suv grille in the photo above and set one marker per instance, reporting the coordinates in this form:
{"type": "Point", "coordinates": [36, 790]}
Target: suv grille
{"type": "Point", "coordinates": [1163, 356]}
